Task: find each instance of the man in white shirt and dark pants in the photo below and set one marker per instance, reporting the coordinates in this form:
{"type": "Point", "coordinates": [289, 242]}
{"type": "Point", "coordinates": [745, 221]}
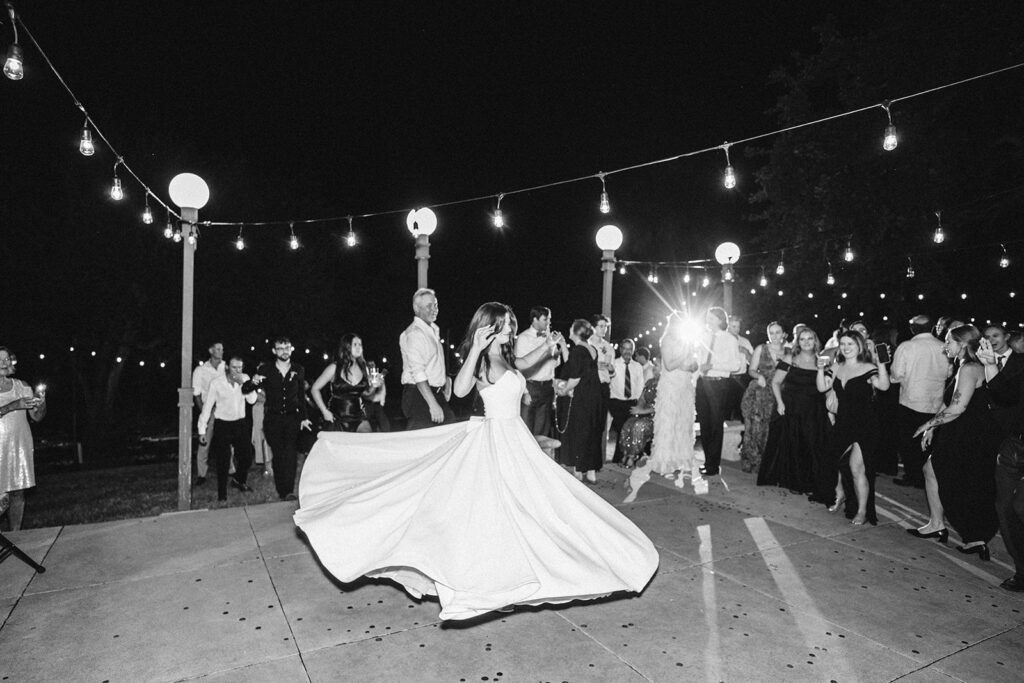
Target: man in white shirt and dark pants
{"type": "Point", "coordinates": [921, 368]}
{"type": "Point", "coordinates": [721, 359]}
{"type": "Point", "coordinates": [225, 404]}
{"type": "Point", "coordinates": [423, 374]}
{"type": "Point", "coordinates": [626, 386]}
{"type": "Point", "coordinates": [202, 377]}
{"type": "Point", "coordinates": [541, 375]}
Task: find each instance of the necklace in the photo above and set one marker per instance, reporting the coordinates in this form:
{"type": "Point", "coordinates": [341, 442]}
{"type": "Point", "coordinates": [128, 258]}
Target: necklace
{"type": "Point", "coordinates": [568, 412]}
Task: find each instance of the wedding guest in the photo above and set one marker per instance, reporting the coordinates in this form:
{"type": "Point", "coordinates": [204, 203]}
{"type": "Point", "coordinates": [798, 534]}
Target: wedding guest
{"type": "Point", "coordinates": [886, 405]}
{"type": "Point", "coordinates": [920, 367]}
{"type": "Point", "coordinates": [540, 378]}
{"type": "Point", "coordinates": [643, 357]}
{"type": "Point", "coordinates": [964, 437]}
{"type": "Point", "coordinates": [605, 366]}
{"type": "Point", "coordinates": [1017, 341]}
{"type": "Point", "coordinates": [720, 358]}
{"type": "Point", "coordinates": [758, 403]}
{"type": "Point", "coordinates": [424, 382]}
{"type": "Point", "coordinates": [580, 424]}
{"type": "Point", "coordinates": [18, 402]}
{"type": "Point", "coordinates": [261, 448]}
{"type": "Point", "coordinates": [739, 380]}
{"type": "Point", "coordinates": [350, 385]}
{"type": "Point", "coordinates": [625, 388]}
{"type": "Point", "coordinates": [638, 430]}
{"type": "Point", "coordinates": [202, 377]}
{"type": "Point", "coordinates": [225, 405]}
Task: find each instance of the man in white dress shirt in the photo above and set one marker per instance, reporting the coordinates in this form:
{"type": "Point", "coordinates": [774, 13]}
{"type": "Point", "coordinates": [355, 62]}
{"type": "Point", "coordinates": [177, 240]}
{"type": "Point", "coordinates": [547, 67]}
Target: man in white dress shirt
{"type": "Point", "coordinates": [540, 376]}
{"type": "Point", "coordinates": [423, 374]}
{"type": "Point", "coordinates": [721, 359]}
{"type": "Point", "coordinates": [202, 376]}
{"type": "Point", "coordinates": [225, 404]}
{"type": "Point", "coordinates": [921, 368]}
{"type": "Point", "coordinates": [626, 386]}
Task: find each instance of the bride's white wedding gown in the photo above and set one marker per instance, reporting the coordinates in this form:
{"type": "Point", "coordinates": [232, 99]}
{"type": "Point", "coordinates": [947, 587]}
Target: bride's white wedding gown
{"type": "Point", "coordinates": [473, 512]}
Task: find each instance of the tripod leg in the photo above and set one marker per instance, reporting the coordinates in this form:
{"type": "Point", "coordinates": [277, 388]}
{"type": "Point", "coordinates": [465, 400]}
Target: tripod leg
{"type": "Point", "coordinates": [7, 548]}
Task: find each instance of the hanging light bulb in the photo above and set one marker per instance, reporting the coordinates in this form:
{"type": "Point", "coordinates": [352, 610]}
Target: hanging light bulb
{"type": "Point", "coordinates": [499, 219]}
{"type": "Point", "coordinates": [729, 180]}
{"type": "Point", "coordinates": [655, 274]}
{"type": "Point", "coordinates": [727, 274]}
{"type": "Point", "coordinates": [147, 214]}
{"type": "Point", "coordinates": [605, 205]}
{"type": "Point", "coordinates": [650, 275]}
{"type": "Point", "coordinates": [781, 268]}
{"type": "Point", "coordinates": [939, 237]}
{"type": "Point", "coordinates": [889, 142]}
{"type": "Point", "coordinates": [169, 229]}
{"type": "Point", "coordinates": [686, 276]}
{"type": "Point", "coordinates": [706, 282]}
{"type": "Point", "coordinates": [910, 268]}
{"type": "Point", "coordinates": [350, 238]}
{"type": "Point", "coordinates": [177, 234]}
{"type": "Point", "coordinates": [1004, 260]}
{"type": "Point", "coordinates": [848, 254]}
{"type": "Point", "coordinates": [622, 269]}
{"type": "Point", "coordinates": [14, 66]}
{"type": "Point", "coordinates": [764, 280]}
{"type": "Point", "coordinates": [239, 242]}
{"type": "Point", "coordinates": [293, 241]}
{"type": "Point", "coordinates": [116, 192]}
{"type": "Point", "coordinates": [193, 235]}
{"type": "Point", "coordinates": [830, 279]}
{"type": "Point", "coordinates": [85, 146]}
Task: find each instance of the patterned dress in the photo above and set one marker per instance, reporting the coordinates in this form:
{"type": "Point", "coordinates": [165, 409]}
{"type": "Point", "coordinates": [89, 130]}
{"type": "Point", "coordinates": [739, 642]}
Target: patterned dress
{"type": "Point", "coordinates": [758, 408]}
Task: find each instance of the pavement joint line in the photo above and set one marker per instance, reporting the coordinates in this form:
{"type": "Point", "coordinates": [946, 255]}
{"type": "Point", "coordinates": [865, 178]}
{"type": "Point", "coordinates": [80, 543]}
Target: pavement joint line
{"type": "Point", "coordinates": [24, 590]}
{"type": "Point", "coordinates": [932, 664]}
{"type": "Point", "coordinates": [387, 634]}
{"type": "Point", "coordinates": [600, 644]}
{"type": "Point", "coordinates": [243, 667]}
{"type": "Point", "coordinates": [277, 594]}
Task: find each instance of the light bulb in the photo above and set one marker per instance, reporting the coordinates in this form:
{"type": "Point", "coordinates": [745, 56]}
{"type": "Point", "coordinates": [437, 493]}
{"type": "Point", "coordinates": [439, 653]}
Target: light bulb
{"type": "Point", "coordinates": [706, 282]}
{"type": "Point", "coordinates": [192, 238]}
{"type": "Point", "coordinates": [606, 206]}
{"type": "Point", "coordinates": [177, 235]}
{"type": "Point", "coordinates": [86, 147]}
{"type": "Point", "coordinates": [116, 192]}
{"type": "Point", "coordinates": [730, 178]}
{"type": "Point", "coordinates": [147, 215]}
{"type": "Point", "coordinates": [780, 269]}
{"type": "Point", "coordinates": [882, 295]}
{"type": "Point", "coordinates": [293, 242]}
{"type": "Point", "coordinates": [499, 219]}
{"type": "Point", "coordinates": [843, 295]}
{"type": "Point", "coordinates": [1004, 261]}
{"type": "Point", "coordinates": [169, 230]}
{"type": "Point", "coordinates": [963, 296]}
{"type": "Point", "coordinates": [831, 279]}
{"type": "Point", "coordinates": [753, 291]}
{"type": "Point", "coordinates": [14, 66]}
{"type": "Point", "coordinates": [650, 276]}
{"type": "Point", "coordinates": [764, 280]}
{"type": "Point", "coordinates": [889, 142]}
{"type": "Point", "coordinates": [910, 272]}
{"type": "Point", "coordinates": [239, 243]}
{"type": "Point", "coordinates": [939, 237]}
{"type": "Point", "coordinates": [622, 269]}
{"type": "Point", "coordinates": [350, 238]}
{"type": "Point", "coordinates": [780, 292]}
{"type": "Point", "coordinates": [810, 295]}
{"type": "Point", "coordinates": [655, 277]}
{"type": "Point", "coordinates": [727, 275]}
{"type": "Point", "coordinates": [848, 254]}
{"type": "Point", "coordinates": [686, 276]}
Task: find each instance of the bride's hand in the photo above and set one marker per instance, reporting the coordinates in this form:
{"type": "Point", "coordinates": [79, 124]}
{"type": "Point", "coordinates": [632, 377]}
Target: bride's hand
{"type": "Point", "coordinates": [482, 337]}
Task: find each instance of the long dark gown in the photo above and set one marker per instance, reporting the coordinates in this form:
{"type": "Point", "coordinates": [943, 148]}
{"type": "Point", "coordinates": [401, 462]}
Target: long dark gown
{"type": "Point", "coordinates": [797, 440]}
{"type": "Point", "coordinates": [347, 403]}
{"type": "Point", "coordinates": [963, 458]}
{"type": "Point", "coordinates": [856, 423]}
{"type": "Point", "coordinates": [579, 425]}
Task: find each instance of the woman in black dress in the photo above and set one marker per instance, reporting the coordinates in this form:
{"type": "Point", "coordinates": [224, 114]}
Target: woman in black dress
{"type": "Point", "coordinates": [797, 437]}
{"type": "Point", "coordinates": [579, 423]}
{"type": "Point", "coordinates": [349, 381]}
{"type": "Point", "coordinates": [964, 439]}
{"type": "Point", "coordinates": [854, 377]}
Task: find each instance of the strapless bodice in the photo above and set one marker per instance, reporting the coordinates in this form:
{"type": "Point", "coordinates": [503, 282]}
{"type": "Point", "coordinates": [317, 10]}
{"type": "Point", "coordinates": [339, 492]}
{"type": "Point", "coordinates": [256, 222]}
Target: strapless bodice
{"type": "Point", "coordinates": [503, 398]}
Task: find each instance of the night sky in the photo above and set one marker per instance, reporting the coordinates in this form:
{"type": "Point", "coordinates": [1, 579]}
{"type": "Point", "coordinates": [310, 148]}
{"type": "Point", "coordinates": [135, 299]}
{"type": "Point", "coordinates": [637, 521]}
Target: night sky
{"type": "Point", "coordinates": [301, 110]}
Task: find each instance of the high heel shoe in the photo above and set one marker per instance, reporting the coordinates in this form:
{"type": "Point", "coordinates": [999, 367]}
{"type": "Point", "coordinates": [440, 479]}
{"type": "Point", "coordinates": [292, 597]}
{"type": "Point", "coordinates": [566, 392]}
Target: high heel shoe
{"type": "Point", "coordinates": [942, 534]}
{"type": "Point", "coordinates": [837, 506]}
{"type": "Point", "coordinates": [980, 550]}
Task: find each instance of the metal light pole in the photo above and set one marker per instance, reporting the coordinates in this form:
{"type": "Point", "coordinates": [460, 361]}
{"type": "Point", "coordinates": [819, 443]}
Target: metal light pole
{"type": "Point", "coordinates": [190, 193]}
{"type": "Point", "coordinates": [608, 238]}
{"type": "Point", "coordinates": [727, 254]}
{"type": "Point", "coordinates": [421, 223]}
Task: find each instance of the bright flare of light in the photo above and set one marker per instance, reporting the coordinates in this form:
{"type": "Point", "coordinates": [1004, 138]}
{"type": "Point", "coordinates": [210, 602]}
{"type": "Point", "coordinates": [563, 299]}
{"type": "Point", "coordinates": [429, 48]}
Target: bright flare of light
{"type": "Point", "coordinates": [14, 67]}
{"type": "Point", "coordinates": [86, 147]}
{"type": "Point", "coordinates": [889, 142]}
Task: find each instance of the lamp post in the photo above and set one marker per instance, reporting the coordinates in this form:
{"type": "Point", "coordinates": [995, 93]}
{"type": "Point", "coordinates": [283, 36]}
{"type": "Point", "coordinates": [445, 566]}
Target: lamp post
{"type": "Point", "coordinates": [190, 193]}
{"type": "Point", "coordinates": [727, 254]}
{"type": "Point", "coordinates": [421, 223]}
{"type": "Point", "coordinates": [608, 238]}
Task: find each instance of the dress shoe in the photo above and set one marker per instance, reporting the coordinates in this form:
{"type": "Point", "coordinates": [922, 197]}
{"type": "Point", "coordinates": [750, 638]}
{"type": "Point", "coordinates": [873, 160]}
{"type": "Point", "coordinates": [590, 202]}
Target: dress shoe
{"type": "Point", "coordinates": [591, 477]}
{"type": "Point", "coordinates": [980, 550]}
{"type": "Point", "coordinates": [708, 473]}
{"type": "Point", "coordinates": [942, 534]}
{"type": "Point", "coordinates": [916, 483]}
{"type": "Point", "coordinates": [244, 488]}
{"type": "Point", "coordinates": [835, 507]}
{"type": "Point", "coordinates": [1014, 583]}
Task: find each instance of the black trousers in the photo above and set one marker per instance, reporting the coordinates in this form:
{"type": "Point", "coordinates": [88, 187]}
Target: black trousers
{"type": "Point", "coordinates": [712, 403]}
{"type": "Point", "coordinates": [910, 448]}
{"type": "Point", "coordinates": [416, 410]}
{"type": "Point", "coordinates": [282, 432]}
{"type": "Point", "coordinates": [1010, 503]}
{"type": "Point", "coordinates": [537, 415]}
{"type": "Point", "coordinates": [619, 410]}
{"type": "Point", "coordinates": [228, 434]}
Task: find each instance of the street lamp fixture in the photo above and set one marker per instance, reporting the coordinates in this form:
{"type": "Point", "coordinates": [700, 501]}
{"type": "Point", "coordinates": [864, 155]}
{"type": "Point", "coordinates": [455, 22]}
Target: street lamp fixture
{"type": "Point", "coordinates": [608, 238]}
{"type": "Point", "coordinates": [727, 254]}
{"type": "Point", "coordinates": [421, 223]}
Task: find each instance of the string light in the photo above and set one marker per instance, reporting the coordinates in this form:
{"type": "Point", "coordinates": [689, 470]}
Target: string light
{"type": "Point", "coordinates": [1004, 260]}
{"type": "Point", "coordinates": [781, 268]}
{"type": "Point", "coordinates": [193, 235]}
{"type": "Point", "coordinates": [147, 214]}
{"type": "Point", "coordinates": [293, 241]}
{"type": "Point", "coordinates": [499, 219]}
{"type": "Point", "coordinates": [848, 254]}
{"type": "Point", "coordinates": [350, 238]}
{"type": "Point", "coordinates": [85, 146]}
{"type": "Point", "coordinates": [14, 66]}
{"type": "Point", "coordinates": [910, 268]}
{"type": "Point", "coordinates": [830, 279]}
{"type": "Point", "coordinates": [706, 282]}
{"type": "Point", "coordinates": [727, 274]}
{"type": "Point", "coordinates": [169, 229]}
{"type": "Point", "coordinates": [650, 275]}
{"type": "Point", "coordinates": [655, 274]}
{"type": "Point", "coordinates": [939, 237]}
{"type": "Point", "coordinates": [622, 269]}
{"type": "Point", "coordinates": [116, 192]}
{"type": "Point", "coordinates": [239, 242]}
{"type": "Point", "coordinates": [764, 280]}
{"type": "Point", "coordinates": [889, 142]}
{"type": "Point", "coordinates": [729, 180]}
{"type": "Point", "coordinates": [605, 205]}
{"type": "Point", "coordinates": [686, 277]}
{"type": "Point", "coordinates": [177, 235]}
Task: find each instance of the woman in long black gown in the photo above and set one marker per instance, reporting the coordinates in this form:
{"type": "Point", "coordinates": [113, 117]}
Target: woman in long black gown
{"type": "Point", "coordinates": [797, 437]}
{"type": "Point", "coordinates": [580, 421]}
{"type": "Point", "coordinates": [854, 377]}
{"type": "Point", "coordinates": [349, 381]}
{"type": "Point", "coordinates": [964, 439]}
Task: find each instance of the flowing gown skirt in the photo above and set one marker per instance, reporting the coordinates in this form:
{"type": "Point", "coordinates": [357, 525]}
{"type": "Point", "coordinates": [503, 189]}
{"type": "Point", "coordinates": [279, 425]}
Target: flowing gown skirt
{"type": "Point", "coordinates": [474, 513]}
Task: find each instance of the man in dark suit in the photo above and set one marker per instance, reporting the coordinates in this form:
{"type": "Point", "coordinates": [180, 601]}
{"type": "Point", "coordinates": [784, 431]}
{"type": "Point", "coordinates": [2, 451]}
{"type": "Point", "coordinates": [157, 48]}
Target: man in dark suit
{"type": "Point", "coordinates": [1004, 375]}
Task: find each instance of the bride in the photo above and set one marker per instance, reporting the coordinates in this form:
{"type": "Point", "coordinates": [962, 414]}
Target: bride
{"type": "Point", "coordinates": [474, 513]}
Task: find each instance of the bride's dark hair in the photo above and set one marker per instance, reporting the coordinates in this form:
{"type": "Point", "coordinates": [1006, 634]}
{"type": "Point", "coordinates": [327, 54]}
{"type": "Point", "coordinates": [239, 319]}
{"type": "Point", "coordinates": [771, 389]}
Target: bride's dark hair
{"type": "Point", "coordinates": [486, 316]}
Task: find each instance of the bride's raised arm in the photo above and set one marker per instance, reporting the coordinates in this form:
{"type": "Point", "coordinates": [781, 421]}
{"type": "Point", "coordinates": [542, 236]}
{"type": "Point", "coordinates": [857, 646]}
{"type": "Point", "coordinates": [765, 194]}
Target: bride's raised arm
{"type": "Point", "coordinates": [466, 379]}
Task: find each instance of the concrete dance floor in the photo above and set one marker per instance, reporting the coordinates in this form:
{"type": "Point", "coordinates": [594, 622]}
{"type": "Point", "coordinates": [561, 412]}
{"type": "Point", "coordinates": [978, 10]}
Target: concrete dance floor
{"type": "Point", "coordinates": [755, 584]}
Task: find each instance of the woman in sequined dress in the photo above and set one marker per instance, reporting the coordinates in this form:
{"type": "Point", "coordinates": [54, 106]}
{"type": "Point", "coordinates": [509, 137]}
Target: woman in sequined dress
{"type": "Point", "coordinates": [17, 469]}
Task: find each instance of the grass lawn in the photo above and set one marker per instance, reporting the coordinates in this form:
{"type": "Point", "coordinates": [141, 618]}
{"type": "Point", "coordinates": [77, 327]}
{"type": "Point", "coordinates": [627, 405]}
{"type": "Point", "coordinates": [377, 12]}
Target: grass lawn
{"type": "Point", "coordinates": [82, 496]}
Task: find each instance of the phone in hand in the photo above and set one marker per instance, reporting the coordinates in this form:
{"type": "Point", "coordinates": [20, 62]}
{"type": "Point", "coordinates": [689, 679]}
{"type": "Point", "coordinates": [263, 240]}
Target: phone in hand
{"type": "Point", "coordinates": [882, 352]}
{"type": "Point", "coordinates": [824, 360]}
